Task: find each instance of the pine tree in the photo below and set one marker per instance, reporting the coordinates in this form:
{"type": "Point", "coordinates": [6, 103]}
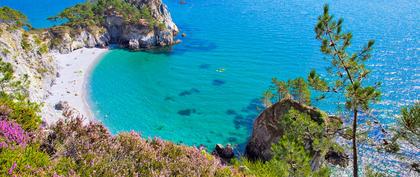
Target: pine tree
{"type": "Point", "coordinates": [346, 74]}
{"type": "Point", "coordinates": [296, 89]}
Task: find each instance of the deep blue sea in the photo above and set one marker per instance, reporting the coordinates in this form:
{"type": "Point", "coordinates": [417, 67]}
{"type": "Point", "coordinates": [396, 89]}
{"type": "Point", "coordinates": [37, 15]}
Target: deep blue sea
{"type": "Point", "coordinates": [206, 90]}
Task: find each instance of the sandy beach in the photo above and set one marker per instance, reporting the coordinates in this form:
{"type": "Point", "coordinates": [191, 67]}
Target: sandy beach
{"type": "Point", "coordinates": [73, 71]}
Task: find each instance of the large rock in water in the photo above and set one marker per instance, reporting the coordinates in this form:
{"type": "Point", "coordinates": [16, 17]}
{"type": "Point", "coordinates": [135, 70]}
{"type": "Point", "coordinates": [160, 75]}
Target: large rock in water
{"type": "Point", "coordinates": [114, 30]}
{"type": "Point", "coordinates": [140, 35]}
{"type": "Point", "coordinates": [266, 129]}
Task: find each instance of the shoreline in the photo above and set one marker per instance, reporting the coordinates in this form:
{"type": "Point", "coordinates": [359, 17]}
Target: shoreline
{"type": "Point", "coordinates": [71, 83]}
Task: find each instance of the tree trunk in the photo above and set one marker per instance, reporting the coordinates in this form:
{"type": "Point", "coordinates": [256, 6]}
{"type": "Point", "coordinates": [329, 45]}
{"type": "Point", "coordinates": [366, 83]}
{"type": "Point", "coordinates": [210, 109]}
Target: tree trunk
{"type": "Point", "coordinates": [355, 166]}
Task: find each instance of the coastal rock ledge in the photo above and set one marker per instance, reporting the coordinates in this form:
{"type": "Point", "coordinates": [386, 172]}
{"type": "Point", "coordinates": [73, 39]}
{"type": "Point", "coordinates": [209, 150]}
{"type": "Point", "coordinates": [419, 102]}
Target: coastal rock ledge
{"type": "Point", "coordinates": [158, 31]}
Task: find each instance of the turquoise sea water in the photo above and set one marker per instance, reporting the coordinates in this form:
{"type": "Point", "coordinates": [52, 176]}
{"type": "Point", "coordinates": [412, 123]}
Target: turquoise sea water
{"type": "Point", "coordinates": [179, 95]}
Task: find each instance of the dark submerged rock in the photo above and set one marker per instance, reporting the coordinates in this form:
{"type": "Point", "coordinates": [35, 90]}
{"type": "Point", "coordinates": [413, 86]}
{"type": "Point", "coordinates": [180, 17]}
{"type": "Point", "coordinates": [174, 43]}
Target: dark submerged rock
{"type": "Point", "coordinates": [186, 112]}
{"type": "Point", "coordinates": [189, 92]}
{"type": "Point", "coordinates": [231, 112]}
{"type": "Point", "coordinates": [204, 66]}
{"type": "Point", "coordinates": [217, 82]}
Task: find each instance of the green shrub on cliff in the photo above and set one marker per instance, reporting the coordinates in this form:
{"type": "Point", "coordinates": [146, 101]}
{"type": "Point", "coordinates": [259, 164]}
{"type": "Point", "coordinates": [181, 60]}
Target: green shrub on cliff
{"type": "Point", "coordinates": [26, 45]}
{"type": "Point", "coordinates": [89, 14]}
{"type": "Point", "coordinates": [13, 17]}
{"type": "Point", "coordinates": [410, 119]}
{"type": "Point", "coordinates": [24, 161]}
{"type": "Point", "coordinates": [14, 102]}
{"type": "Point", "coordinates": [21, 110]}
{"type": "Point", "coordinates": [300, 132]}
{"type": "Point", "coordinates": [297, 89]}
{"type": "Point", "coordinates": [408, 128]}
{"type": "Point", "coordinates": [290, 155]}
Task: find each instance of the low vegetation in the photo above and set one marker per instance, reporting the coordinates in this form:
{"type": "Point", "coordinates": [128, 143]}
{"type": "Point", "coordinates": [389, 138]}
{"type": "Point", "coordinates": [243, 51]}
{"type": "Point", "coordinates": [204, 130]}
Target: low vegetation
{"type": "Point", "coordinates": [91, 14]}
{"type": "Point", "coordinates": [13, 17]}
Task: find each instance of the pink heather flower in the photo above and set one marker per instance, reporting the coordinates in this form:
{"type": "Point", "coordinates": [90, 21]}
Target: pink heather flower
{"type": "Point", "coordinates": [12, 168]}
{"type": "Point", "coordinates": [12, 133]}
{"type": "Point", "coordinates": [55, 175]}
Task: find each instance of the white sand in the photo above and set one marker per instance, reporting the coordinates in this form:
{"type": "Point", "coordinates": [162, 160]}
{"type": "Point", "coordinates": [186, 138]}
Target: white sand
{"type": "Point", "coordinates": [70, 86]}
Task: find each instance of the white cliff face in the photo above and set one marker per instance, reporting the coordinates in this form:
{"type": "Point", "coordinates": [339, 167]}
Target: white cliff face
{"type": "Point", "coordinates": [65, 40]}
{"type": "Point", "coordinates": [24, 51]}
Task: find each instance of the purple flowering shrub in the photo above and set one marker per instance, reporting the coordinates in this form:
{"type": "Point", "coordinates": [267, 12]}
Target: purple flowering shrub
{"type": "Point", "coordinates": [90, 150]}
{"type": "Point", "coordinates": [11, 134]}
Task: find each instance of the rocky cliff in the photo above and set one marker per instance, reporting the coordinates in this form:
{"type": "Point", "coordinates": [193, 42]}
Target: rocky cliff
{"type": "Point", "coordinates": [114, 29]}
{"type": "Point", "coordinates": [30, 58]}
{"type": "Point", "coordinates": [267, 130]}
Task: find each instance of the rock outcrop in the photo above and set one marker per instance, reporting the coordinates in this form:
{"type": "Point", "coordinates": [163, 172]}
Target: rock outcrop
{"type": "Point", "coordinates": [337, 158]}
{"type": "Point", "coordinates": [64, 39]}
{"type": "Point", "coordinates": [115, 30]}
{"type": "Point", "coordinates": [224, 153]}
{"type": "Point", "coordinates": [267, 131]}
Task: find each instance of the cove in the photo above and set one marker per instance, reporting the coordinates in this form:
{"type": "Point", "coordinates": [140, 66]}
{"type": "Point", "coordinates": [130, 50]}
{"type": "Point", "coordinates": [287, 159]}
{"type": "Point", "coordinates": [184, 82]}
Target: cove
{"type": "Point", "coordinates": [206, 90]}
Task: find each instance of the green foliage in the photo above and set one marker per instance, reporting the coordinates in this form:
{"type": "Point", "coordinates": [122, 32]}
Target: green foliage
{"type": "Point", "coordinates": [290, 157]}
{"type": "Point", "coordinates": [43, 49]}
{"type": "Point", "coordinates": [161, 26]}
{"type": "Point", "coordinates": [296, 89]}
{"type": "Point", "coordinates": [223, 172]}
{"type": "Point", "coordinates": [316, 82]}
{"type": "Point", "coordinates": [22, 111]}
{"type": "Point", "coordinates": [5, 51]}
{"type": "Point", "coordinates": [408, 126]}
{"type": "Point", "coordinates": [272, 168]}
{"type": "Point", "coordinates": [410, 118]}
{"type": "Point", "coordinates": [347, 72]}
{"type": "Point", "coordinates": [268, 95]}
{"type": "Point", "coordinates": [13, 17]}
{"type": "Point", "coordinates": [299, 128]}
{"type": "Point", "coordinates": [80, 14]}
{"type": "Point", "coordinates": [26, 45]}
{"type": "Point", "coordinates": [37, 40]}
{"type": "Point", "coordinates": [89, 14]}
{"type": "Point", "coordinates": [23, 161]}
{"type": "Point", "coordinates": [14, 99]}
{"type": "Point", "coordinates": [369, 172]}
